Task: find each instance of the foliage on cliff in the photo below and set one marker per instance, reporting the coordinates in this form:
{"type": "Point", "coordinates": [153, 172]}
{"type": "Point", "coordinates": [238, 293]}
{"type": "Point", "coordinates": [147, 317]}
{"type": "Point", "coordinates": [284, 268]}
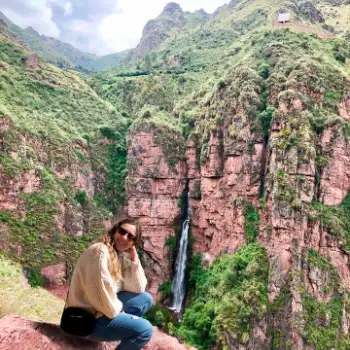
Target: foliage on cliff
{"type": "Point", "coordinates": [47, 117]}
{"type": "Point", "coordinates": [226, 298]}
{"type": "Point", "coordinates": [166, 134]}
{"type": "Point", "coordinates": [323, 319]}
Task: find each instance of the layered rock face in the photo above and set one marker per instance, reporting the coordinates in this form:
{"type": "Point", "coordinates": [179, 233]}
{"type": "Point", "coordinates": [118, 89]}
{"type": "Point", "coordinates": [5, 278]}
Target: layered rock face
{"type": "Point", "coordinates": [69, 219]}
{"type": "Point", "coordinates": [280, 173]}
{"type": "Point", "coordinates": [46, 191]}
{"type": "Point", "coordinates": [153, 191]}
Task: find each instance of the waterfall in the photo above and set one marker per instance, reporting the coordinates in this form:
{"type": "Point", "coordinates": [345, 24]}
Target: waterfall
{"type": "Point", "coordinates": [181, 261]}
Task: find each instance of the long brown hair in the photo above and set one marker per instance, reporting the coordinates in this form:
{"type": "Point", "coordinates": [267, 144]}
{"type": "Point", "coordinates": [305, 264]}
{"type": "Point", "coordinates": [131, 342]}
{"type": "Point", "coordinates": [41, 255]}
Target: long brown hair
{"type": "Point", "coordinates": [108, 239]}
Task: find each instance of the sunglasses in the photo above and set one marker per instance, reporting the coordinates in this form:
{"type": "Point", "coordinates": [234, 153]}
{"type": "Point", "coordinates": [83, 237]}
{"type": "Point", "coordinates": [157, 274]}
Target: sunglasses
{"type": "Point", "coordinates": [124, 232]}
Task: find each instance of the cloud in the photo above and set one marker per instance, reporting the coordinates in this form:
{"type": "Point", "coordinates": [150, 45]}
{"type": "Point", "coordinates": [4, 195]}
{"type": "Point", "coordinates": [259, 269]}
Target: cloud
{"type": "Point", "coordinates": [124, 29]}
{"type": "Point", "coordinates": [33, 13]}
{"type": "Point", "coordinates": [68, 9]}
{"type": "Point", "coordinates": [100, 27]}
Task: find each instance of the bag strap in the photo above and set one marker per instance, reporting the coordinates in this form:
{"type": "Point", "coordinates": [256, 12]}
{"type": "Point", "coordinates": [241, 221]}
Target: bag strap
{"type": "Point", "coordinates": [65, 303]}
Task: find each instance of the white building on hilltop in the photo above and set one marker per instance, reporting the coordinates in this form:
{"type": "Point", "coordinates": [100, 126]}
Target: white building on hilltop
{"type": "Point", "coordinates": [283, 17]}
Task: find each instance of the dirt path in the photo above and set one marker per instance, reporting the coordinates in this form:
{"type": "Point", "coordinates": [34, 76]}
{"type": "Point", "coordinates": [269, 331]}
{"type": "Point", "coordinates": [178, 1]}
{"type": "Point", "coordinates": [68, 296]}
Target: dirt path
{"type": "Point", "coordinates": [305, 28]}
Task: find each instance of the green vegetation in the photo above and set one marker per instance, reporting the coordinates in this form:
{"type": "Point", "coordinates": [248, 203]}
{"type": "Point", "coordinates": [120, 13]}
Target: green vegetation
{"type": "Point", "coordinates": [165, 288]}
{"type": "Point", "coordinates": [48, 112]}
{"type": "Point", "coordinates": [40, 241]}
{"type": "Point", "coordinates": [265, 118]}
{"type": "Point", "coordinates": [82, 198]}
{"type": "Point", "coordinates": [160, 316]}
{"type": "Point", "coordinates": [322, 324]}
{"type": "Point", "coordinates": [285, 193]}
{"type": "Point", "coordinates": [226, 298]}
{"type": "Point", "coordinates": [111, 160]}
{"type": "Point", "coordinates": [35, 279]}
{"type": "Point", "coordinates": [278, 310]}
{"type": "Point", "coordinates": [47, 102]}
{"type": "Point", "coordinates": [323, 320]}
{"type": "Point", "coordinates": [335, 219]}
{"type": "Point", "coordinates": [37, 233]}
{"type": "Point", "coordinates": [251, 223]}
{"type": "Point", "coordinates": [171, 242]}
{"type": "Point", "coordinates": [31, 303]}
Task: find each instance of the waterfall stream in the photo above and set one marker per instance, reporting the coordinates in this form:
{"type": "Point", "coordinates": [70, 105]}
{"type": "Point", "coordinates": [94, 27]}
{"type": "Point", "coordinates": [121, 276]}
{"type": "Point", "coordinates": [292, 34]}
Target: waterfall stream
{"type": "Point", "coordinates": [181, 261]}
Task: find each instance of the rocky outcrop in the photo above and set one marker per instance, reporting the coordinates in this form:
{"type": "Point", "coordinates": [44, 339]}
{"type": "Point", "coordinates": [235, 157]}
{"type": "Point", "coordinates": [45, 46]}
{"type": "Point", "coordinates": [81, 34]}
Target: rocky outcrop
{"type": "Point", "coordinates": [46, 195]}
{"type": "Point", "coordinates": [153, 191]}
{"type": "Point", "coordinates": [17, 332]}
{"type": "Point", "coordinates": [33, 61]}
{"type": "Point", "coordinates": [156, 30]}
{"type": "Point", "coordinates": [36, 155]}
{"type": "Point", "coordinates": [54, 274]}
{"type": "Point", "coordinates": [310, 12]}
{"type": "Point", "coordinates": [335, 180]}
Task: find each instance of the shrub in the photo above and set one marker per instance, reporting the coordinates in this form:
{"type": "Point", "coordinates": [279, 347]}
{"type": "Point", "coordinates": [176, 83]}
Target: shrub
{"type": "Point", "coordinates": [35, 279]}
{"type": "Point", "coordinates": [227, 298]}
{"type": "Point", "coordinates": [165, 288]}
{"type": "Point", "coordinates": [82, 198]}
{"type": "Point", "coordinates": [251, 223]}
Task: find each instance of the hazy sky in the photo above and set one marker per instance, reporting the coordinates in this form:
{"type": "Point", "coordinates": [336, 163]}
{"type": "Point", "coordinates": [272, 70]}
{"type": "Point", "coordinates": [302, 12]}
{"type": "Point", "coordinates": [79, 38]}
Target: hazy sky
{"type": "Point", "coordinates": [96, 26]}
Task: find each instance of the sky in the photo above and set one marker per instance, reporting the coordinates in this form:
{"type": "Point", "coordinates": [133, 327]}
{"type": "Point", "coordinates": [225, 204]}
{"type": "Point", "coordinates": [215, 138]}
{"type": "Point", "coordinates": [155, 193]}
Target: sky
{"type": "Point", "coordinates": [96, 26]}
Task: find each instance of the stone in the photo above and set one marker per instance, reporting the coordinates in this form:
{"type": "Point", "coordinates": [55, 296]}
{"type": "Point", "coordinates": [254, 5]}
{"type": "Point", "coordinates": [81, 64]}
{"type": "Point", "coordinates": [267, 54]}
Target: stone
{"type": "Point", "coordinates": [54, 274]}
{"type": "Point", "coordinates": [33, 61]}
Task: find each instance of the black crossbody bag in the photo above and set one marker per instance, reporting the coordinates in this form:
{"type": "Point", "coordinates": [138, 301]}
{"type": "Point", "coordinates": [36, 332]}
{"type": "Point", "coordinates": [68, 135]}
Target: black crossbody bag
{"type": "Point", "coordinates": [77, 321]}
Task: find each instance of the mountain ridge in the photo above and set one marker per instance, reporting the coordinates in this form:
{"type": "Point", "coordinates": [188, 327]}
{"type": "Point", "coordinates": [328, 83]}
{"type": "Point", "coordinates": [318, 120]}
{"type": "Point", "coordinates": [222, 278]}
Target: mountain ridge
{"type": "Point", "coordinates": [173, 18]}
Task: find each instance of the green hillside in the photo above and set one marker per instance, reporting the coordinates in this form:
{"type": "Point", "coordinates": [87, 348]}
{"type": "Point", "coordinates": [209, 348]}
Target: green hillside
{"type": "Point", "coordinates": [52, 121]}
{"type": "Point", "coordinates": [62, 54]}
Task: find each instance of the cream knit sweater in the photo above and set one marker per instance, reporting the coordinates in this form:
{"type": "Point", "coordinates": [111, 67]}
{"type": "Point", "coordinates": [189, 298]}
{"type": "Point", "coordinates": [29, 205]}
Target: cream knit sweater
{"type": "Point", "coordinates": [92, 286]}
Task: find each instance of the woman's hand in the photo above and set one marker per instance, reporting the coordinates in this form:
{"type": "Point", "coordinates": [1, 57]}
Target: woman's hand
{"type": "Point", "coordinates": [133, 254]}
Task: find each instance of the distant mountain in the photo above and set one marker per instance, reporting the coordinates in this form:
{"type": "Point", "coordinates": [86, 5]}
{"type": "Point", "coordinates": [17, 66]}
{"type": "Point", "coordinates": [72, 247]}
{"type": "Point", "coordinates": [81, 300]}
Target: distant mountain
{"type": "Point", "coordinates": [66, 55]}
{"type": "Point", "coordinates": [51, 49]}
{"type": "Point", "coordinates": [62, 54]}
{"type": "Point", "coordinates": [230, 20]}
{"type": "Point", "coordinates": [171, 19]}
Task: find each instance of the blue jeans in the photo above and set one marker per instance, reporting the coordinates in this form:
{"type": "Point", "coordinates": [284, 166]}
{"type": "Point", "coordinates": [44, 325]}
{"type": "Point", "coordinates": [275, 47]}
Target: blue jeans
{"type": "Point", "coordinates": [133, 331]}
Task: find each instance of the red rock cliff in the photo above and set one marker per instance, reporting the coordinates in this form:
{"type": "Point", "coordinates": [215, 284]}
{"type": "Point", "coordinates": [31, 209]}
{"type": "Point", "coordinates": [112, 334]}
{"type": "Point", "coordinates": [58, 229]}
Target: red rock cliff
{"type": "Point", "coordinates": [156, 180]}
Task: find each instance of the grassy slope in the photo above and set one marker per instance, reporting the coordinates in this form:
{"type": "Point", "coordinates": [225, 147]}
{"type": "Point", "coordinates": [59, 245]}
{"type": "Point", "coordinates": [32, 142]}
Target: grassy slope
{"type": "Point", "coordinates": [52, 109]}
{"type": "Point", "coordinates": [337, 17]}
{"type": "Point", "coordinates": [47, 100]}
{"type": "Point", "coordinates": [33, 303]}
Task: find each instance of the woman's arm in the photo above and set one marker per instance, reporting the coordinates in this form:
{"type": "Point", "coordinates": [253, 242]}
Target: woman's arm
{"type": "Point", "coordinates": [134, 277]}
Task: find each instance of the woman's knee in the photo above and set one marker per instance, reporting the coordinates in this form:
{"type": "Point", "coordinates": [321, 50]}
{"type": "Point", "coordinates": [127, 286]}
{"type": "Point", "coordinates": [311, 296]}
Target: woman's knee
{"type": "Point", "coordinates": [148, 299]}
{"type": "Point", "coordinates": [147, 330]}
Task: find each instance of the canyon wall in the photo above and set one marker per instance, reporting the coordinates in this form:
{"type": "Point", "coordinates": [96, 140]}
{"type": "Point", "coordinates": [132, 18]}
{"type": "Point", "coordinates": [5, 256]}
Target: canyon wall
{"type": "Point", "coordinates": [281, 173]}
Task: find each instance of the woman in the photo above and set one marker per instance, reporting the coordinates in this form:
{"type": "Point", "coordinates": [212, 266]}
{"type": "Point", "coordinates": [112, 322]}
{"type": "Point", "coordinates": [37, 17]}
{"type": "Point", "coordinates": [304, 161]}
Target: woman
{"type": "Point", "coordinates": [109, 281]}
